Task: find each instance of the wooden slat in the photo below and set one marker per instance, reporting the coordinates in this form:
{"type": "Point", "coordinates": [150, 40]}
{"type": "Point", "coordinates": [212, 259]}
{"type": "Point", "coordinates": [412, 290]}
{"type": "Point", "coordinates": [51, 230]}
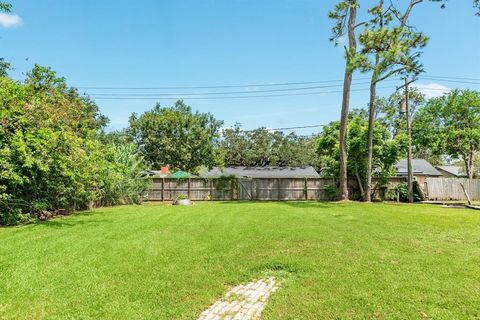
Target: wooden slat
{"type": "Point", "coordinates": [450, 188]}
{"type": "Point", "coordinates": [295, 189]}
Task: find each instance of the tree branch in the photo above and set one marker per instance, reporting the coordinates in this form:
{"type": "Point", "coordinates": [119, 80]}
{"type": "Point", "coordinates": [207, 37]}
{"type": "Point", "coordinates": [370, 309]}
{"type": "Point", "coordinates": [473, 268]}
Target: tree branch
{"type": "Point", "coordinates": [409, 9]}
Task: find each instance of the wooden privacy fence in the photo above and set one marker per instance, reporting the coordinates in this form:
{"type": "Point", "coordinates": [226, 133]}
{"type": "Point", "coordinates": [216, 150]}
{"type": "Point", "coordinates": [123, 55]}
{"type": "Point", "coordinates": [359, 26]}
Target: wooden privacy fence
{"type": "Point", "coordinates": [168, 189]}
{"type": "Point", "coordinates": [450, 188]}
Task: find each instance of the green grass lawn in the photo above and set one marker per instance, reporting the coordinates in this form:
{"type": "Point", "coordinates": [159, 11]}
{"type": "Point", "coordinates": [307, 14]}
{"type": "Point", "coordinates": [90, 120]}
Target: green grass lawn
{"type": "Point", "coordinates": [338, 261]}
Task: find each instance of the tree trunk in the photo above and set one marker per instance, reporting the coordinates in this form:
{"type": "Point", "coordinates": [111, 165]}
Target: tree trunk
{"type": "Point", "coordinates": [472, 167]}
{"type": "Point", "coordinates": [371, 125]}
{"type": "Point", "coordinates": [469, 164]}
{"type": "Point", "coordinates": [360, 184]}
{"type": "Point", "coordinates": [347, 83]}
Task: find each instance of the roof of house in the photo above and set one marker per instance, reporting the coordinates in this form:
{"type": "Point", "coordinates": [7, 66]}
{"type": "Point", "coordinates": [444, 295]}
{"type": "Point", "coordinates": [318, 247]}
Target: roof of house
{"type": "Point", "coordinates": [453, 170]}
{"type": "Point", "coordinates": [177, 174]}
{"type": "Point", "coordinates": [263, 172]}
{"type": "Point", "coordinates": [420, 167]}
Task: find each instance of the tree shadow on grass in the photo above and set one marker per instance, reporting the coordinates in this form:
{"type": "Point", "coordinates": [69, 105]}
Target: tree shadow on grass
{"type": "Point", "coordinates": [74, 220]}
{"type": "Point", "coordinates": [294, 204]}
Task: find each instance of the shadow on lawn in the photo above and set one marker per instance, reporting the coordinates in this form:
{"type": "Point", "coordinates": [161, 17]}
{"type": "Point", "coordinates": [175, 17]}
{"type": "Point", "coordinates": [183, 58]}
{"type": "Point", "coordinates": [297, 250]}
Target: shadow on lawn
{"type": "Point", "coordinates": [295, 204]}
{"type": "Point", "coordinates": [74, 220]}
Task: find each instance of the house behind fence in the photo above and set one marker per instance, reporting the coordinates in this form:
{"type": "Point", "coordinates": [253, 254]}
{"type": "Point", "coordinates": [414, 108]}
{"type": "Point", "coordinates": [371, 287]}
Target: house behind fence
{"type": "Point", "coordinates": [247, 183]}
{"type": "Point", "coordinates": [298, 183]}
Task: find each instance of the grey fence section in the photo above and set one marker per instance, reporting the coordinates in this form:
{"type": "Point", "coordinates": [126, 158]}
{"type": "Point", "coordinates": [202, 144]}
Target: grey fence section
{"type": "Point", "coordinates": [167, 189]}
{"type": "Point", "coordinates": [450, 188]}
{"type": "Point", "coordinates": [279, 189]}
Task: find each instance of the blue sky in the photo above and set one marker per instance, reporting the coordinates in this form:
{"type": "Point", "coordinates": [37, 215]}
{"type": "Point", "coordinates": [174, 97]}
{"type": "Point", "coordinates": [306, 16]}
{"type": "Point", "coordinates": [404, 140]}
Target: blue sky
{"type": "Point", "coordinates": [212, 42]}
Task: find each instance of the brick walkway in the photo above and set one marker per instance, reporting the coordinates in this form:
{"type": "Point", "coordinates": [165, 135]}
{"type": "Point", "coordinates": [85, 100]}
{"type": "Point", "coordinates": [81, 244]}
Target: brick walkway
{"type": "Point", "coordinates": [244, 302]}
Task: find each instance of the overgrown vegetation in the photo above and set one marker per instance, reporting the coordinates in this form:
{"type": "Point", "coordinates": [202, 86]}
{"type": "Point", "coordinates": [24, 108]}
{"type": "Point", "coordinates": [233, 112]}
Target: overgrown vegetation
{"type": "Point", "coordinates": [51, 158]}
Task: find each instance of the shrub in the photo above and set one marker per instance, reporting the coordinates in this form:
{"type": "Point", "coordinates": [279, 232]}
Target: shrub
{"type": "Point", "coordinates": [401, 190]}
{"type": "Point", "coordinates": [51, 156]}
{"type": "Point", "coordinates": [331, 191]}
{"type": "Point", "coordinates": [181, 196]}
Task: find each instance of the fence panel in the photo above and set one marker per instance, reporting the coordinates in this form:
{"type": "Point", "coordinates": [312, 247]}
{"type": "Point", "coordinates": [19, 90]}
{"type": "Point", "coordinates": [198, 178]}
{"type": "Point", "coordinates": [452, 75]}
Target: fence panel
{"type": "Point", "coordinates": [450, 188]}
{"type": "Point", "coordinates": [291, 189]}
{"type": "Point", "coordinates": [199, 189]}
{"type": "Point", "coordinates": [266, 189]}
{"type": "Point", "coordinates": [167, 189]}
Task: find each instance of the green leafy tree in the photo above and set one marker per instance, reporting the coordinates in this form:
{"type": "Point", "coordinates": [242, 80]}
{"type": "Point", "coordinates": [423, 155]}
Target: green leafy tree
{"type": "Point", "coordinates": [388, 110]}
{"type": "Point", "coordinates": [178, 137]}
{"type": "Point", "coordinates": [388, 49]}
{"type": "Point", "coordinates": [261, 147]}
{"type": "Point", "coordinates": [387, 150]}
{"type": "Point", "coordinates": [4, 65]}
{"type": "Point", "coordinates": [450, 125]}
{"type": "Point", "coordinates": [51, 157]}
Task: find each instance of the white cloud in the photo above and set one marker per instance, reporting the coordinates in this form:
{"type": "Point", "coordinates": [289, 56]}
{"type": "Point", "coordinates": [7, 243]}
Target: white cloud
{"type": "Point", "coordinates": [10, 20]}
{"type": "Point", "coordinates": [431, 90]}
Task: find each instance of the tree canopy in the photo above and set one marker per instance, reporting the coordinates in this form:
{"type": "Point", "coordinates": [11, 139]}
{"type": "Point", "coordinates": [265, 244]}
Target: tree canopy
{"type": "Point", "coordinates": [450, 125]}
{"type": "Point", "coordinates": [262, 147]}
{"type": "Point", "coordinates": [387, 149]}
{"type": "Point", "coordinates": [177, 136]}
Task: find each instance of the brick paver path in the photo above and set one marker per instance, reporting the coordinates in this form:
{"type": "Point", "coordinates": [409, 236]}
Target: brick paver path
{"type": "Point", "coordinates": [244, 302]}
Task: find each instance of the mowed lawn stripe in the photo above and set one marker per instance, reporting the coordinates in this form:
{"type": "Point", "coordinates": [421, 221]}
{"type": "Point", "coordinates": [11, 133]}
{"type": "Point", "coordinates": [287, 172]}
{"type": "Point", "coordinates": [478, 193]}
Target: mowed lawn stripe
{"type": "Point", "coordinates": [166, 262]}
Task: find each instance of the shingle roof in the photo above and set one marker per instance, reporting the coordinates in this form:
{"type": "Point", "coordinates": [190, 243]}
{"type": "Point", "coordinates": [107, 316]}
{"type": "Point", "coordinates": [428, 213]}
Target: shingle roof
{"type": "Point", "coordinates": [420, 167]}
{"type": "Point", "coordinates": [263, 172]}
{"type": "Point", "coordinates": [454, 170]}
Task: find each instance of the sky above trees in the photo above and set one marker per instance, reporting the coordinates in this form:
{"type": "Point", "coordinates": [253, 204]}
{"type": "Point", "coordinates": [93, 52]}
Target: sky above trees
{"type": "Point", "coordinates": [204, 43]}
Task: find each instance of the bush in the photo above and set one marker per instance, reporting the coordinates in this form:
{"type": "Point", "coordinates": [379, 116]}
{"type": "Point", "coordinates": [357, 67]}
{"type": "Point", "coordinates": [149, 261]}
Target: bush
{"type": "Point", "coordinates": [52, 159]}
{"type": "Point", "coordinates": [331, 191]}
{"type": "Point", "coordinates": [401, 190]}
{"type": "Point", "coordinates": [181, 196]}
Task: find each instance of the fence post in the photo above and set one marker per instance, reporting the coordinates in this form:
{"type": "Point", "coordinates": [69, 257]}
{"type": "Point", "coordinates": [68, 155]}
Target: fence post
{"type": "Point", "coordinates": [163, 189]}
{"type": "Point", "coordinates": [188, 188]}
{"type": "Point", "coordinates": [238, 188]}
{"type": "Point", "coordinates": [278, 189]}
{"type": "Point", "coordinates": [211, 189]}
{"type": "Point", "coordinates": [305, 188]}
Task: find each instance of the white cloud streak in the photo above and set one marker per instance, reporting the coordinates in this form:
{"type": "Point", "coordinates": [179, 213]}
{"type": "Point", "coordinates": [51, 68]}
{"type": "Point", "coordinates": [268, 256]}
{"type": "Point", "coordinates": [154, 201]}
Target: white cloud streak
{"type": "Point", "coordinates": [432, 90]}
{"type": "Point", "coordinates": [10, 20]}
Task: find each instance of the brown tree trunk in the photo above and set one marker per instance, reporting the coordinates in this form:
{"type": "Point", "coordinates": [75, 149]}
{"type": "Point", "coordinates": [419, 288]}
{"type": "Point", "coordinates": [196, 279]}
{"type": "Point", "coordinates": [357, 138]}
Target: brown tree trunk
{"type": "Point", "coordinates": [347, 83]}
{"type": "Point", "coordinates": [472, 167]}
{"type": "Point", "coordinates": [360, 183]}
{"type": "Point", "coordinates": [371, 125]}
{"type": "Point", "coordinates": [469, 164]}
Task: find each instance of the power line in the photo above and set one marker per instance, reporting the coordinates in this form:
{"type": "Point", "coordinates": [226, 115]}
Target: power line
{"type": "Point", "coordinates": [217, 93]}
{"type": "Point", "coordinates": [230, 97]}
{"type": "Point", "coordinates": [253, 85]}
{"type": "Point", "coordinates": [457, 78]}
{"type": "Point", "coordinates": [215, 86]}
{"type": "Point", "coordinates": [287, 128]}
{"type": "Point", "coordinates": [246, 96]}
{"type": "Point", "coordinates": [446, 80]}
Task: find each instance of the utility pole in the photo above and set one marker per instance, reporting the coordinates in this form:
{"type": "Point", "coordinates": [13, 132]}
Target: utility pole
{"type": "Point", "coordinates": [409, 134]}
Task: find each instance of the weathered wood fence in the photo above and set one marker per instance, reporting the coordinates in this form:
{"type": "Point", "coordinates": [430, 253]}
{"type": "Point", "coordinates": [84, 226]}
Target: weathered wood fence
{"type": "Point", "coordinates": [450, 188]}
{"type": "Point", "coordinates": [168, 189]}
